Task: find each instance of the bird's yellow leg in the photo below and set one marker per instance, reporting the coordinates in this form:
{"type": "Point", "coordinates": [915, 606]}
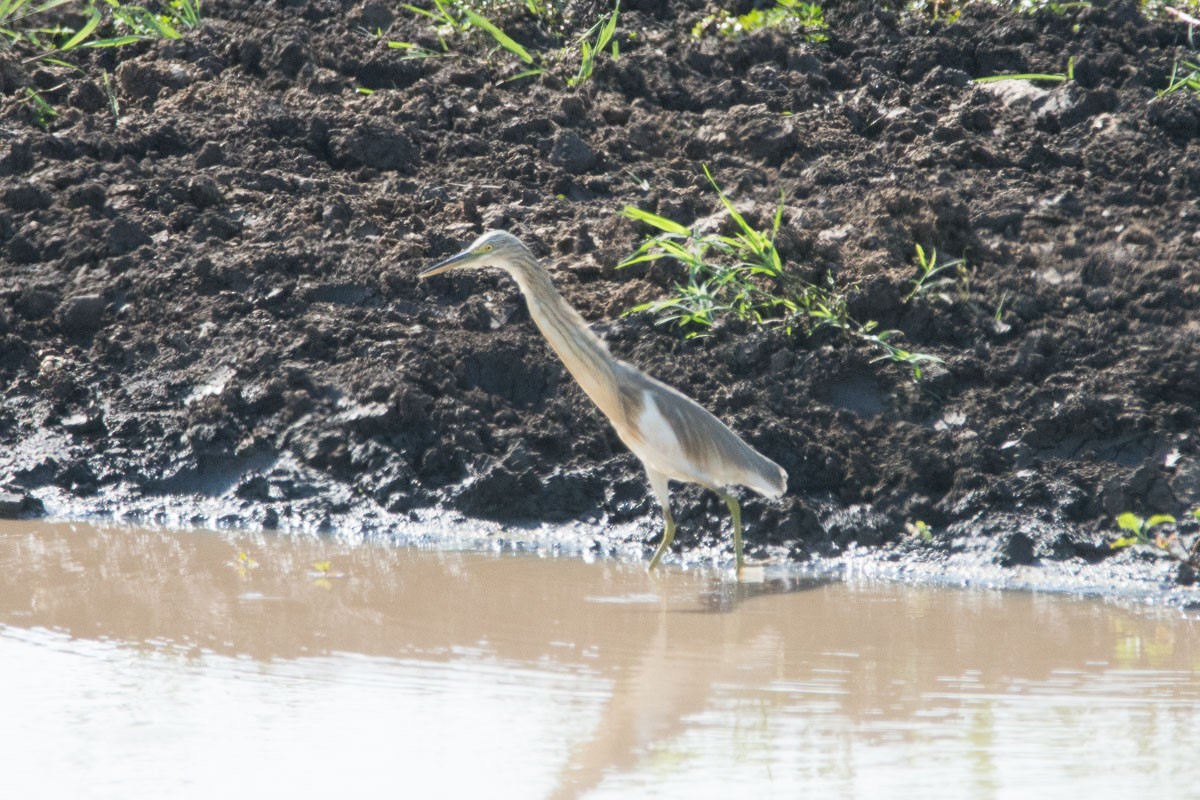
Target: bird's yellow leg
{"type": "Point", "coordinates": [668, 537]}
{"type": "Point", "coordinates": [658, 483]}
{"type": "Point", "coordinates": [735, 511]}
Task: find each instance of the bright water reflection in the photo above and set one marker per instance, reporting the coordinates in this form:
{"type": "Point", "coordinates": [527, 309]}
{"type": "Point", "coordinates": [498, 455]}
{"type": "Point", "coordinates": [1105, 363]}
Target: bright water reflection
{"type": "Point", "coordinates": [139, 663]}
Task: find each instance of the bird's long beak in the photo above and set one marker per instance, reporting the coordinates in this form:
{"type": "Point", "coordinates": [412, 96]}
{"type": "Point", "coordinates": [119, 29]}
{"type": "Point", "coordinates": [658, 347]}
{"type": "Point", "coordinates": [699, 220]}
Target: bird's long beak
{"type": "Point", "coordinates": [445, 266]}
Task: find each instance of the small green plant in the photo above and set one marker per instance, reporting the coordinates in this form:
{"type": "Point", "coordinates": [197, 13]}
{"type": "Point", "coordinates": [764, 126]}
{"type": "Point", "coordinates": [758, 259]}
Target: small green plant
{"type": "Point", "coordinates": [114, 104]}
{"type": "Point", "coordinates": [721, 271]}
{"type": "Point", "coordinates": [29, 29]}
{"type": "Point", "coordinates": [244, 564]}
{"type": "Point", "coordinates": [44, 114]}
{"type": "Point", "coordinates": [443, 15]}
{"type": "Point", "coordinates": [795, 15]}
{"type": "Point", "coordinates": [742, 277]}
{"type": "Point", "coordinates": [416, 51]}
{"type": "Point", "coordinates": [945, 11]}
{"type": "Point", "coordinates": [503, 39]}
{"type": "Point", "coordinates": [549, 12]}
{"type": "Point", "coordinates": [930, 282]}
{"type": "Point", "coordinates": [1140, 529]}
{"type": "Point", "coordinates": [638, 181]}
{"type": "Point", "coordinates": [123, 24]}
{"type": "Point", "coordinates": [998, 317]}
{"type": "Point", "coordinates": [450, 17]}
{"type": "Point", "coordinates": [1051, 6]}
{"type": "Point", "coordinates": [460, 18]}
{"type": "Point", "coordinates": [1056, 77]}
{"type": "Point", "coordinates": [187, 12]}
{"type": "Point", "coordinates": [14, 16]}
{"type": "Point", "coordinates": [164, 24]}
{"type": "Point", "coordinates": [604, 39]}
{"type": "Point", "coordinates": [1181, 81]}
{"type": "Point", "coordinates": [919, 530]}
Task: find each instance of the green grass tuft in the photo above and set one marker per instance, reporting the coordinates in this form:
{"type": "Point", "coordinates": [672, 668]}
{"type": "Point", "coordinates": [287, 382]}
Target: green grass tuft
{"type": "Point", "coordinates": [588, 50]}
{"type": "Point", "coordinates": [455, 21]}
{"type": "Point", "coordinates": [44, 114]}
{"type": "Point", "coordinates": [1181, 80]}
{"type": "Point", "coordinates": [742, 277]}
{"type": "Point", "coordinates": [930, 280]}
{"type": "Point", "coordinates": [1139, 529]}
{"type": "Point", "coordinates": [37, 35]}
{"type": "Point", "coordinates": [788, 15]}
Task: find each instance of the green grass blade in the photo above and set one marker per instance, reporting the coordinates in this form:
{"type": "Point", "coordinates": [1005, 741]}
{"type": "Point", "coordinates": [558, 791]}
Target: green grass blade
{"type": "Point", "coordinates": [733, 212]}
{"type": "Point", "coordinates": [447, 14]}
{"type": "Point", "coordinates": [640, 259]}
{"type": "Point", "coordinates": [49, 4]}
{"type": "Point", "coordinates": [610, 27]}
{"type": "Point", "coordinates": [424, 12]}
{"type": "Point", "coordinates": [83, 32]}
{"type": "Point", "coordinates": [16, 11]}
{"type": "Point", "coordinates": [502, 38]}
{"type": "Point", "coordinates": [529, 73]}
{"type": "Point", "coordinates": [1129, 522]}
{"type": "Point", "coordinates": [164, 28]}
{"type": "Point", "coordinates": [415, 51]}
{"type": "Point", "coordinates": [8, 8]}
{"type": "Point", "coordinates": [676, 250]}
{"type": "Point", "coordinates": [58, 62]}
{"type": "Point", "coordinates": [655, 305]}
{"type": "Point", "coordinates": [1025, 76]}
{"type": "Point", "coordinates": [662, 223]}
{"type": "Point", "coordinates": [189, 12]}
{"type": "Point", "coordinates": [116, 41]}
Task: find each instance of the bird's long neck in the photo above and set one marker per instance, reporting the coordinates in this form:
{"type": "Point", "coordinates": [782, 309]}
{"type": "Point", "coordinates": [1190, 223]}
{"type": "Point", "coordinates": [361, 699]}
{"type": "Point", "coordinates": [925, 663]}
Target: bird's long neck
{"type": "Point", "coordinates": [582, 352]}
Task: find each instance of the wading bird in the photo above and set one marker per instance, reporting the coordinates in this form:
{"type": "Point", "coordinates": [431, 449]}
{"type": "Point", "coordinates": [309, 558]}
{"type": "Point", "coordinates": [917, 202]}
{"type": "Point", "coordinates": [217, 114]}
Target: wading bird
{"type": "Point", "coordinates": [675, 438]}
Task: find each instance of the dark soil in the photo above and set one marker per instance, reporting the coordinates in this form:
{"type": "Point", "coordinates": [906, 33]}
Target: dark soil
{"type": "Point", "coordinates": [209, 310]}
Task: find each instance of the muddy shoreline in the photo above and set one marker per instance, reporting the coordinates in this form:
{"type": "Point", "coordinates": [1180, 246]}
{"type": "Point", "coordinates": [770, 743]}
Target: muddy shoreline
{"type": "Point", "coordinates": [209, 312]}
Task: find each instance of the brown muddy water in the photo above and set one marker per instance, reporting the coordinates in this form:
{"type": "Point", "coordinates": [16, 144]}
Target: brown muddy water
{"type": "Point", "coordinates": [159, 663]}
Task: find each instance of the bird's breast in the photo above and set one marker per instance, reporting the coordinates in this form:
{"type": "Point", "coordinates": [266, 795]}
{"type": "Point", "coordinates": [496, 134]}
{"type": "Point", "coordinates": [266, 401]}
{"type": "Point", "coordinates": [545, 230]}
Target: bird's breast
{"type": "Point", "coordinates": [661, 445]}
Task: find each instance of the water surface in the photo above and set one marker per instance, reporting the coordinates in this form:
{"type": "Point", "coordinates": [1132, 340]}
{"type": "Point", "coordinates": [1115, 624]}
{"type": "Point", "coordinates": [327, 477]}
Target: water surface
{"type": "Point", "coordinates": [155, 663]}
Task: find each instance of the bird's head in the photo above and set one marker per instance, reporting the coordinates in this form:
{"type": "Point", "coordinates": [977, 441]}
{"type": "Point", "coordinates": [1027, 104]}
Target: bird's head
{"type": "Point", "coordinates": [492, 249]}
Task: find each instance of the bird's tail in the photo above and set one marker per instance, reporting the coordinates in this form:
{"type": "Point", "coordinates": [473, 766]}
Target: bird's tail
{"type": "Point", "coordinates": [770, 479]}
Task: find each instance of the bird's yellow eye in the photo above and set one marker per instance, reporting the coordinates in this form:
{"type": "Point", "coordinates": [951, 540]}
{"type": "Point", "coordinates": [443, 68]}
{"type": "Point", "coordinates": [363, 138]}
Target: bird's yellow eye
{"type": "Point", "coordinates": [487, 248]}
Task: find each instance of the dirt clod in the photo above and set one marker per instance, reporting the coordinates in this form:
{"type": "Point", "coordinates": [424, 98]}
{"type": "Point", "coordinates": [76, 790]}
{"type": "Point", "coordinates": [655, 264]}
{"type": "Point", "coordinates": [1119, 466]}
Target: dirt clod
{"type": "Point", "coordinates": [82, 314]}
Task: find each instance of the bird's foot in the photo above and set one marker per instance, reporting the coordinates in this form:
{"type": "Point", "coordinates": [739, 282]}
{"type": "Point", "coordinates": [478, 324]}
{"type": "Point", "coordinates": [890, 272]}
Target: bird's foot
{"type": "Point", "coordinates": [751, 573]}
